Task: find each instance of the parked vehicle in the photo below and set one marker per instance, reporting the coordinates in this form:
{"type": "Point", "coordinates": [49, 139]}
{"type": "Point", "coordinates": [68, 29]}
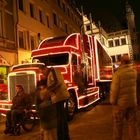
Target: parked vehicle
{"type": "Point", "coordinates": [66, 54]}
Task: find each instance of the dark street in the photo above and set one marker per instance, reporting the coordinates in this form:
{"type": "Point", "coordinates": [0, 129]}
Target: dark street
{"type": "Point", "coordinates": [93, 123]}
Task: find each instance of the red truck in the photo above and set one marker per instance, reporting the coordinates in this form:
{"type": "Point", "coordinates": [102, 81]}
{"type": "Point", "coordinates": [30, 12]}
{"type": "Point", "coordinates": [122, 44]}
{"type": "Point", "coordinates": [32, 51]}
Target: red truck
{"type": "Point", "coordinates": [66, 53]}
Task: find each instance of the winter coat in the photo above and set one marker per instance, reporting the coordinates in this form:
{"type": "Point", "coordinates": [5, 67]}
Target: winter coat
{"type": "Point", "coordinates": [56, 86]}
{"type": "Point", "coordinates": [47, 110]}
{"type": "Point", "coordinates": [123, 87]}
{"type": "Point", "coordinates": [21, 101]}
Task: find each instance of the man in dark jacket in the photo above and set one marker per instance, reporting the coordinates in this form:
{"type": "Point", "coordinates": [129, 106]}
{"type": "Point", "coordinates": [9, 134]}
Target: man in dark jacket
{"type": "Point", "coordinates": [20, 104]}
{"type": "Point", "coordinates": [79, 79]}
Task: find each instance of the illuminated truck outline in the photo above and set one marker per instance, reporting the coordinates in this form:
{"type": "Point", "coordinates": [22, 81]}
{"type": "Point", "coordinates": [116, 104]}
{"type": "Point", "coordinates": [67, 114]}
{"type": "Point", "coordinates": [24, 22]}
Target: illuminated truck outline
{"type": "Point", "coordinates": [85, 51]}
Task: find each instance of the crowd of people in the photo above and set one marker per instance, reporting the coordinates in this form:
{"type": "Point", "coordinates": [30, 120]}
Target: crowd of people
{"type": "Point", "coordinates": [52, 94]}
{"type": "Point", "coordinates": [50, 97]}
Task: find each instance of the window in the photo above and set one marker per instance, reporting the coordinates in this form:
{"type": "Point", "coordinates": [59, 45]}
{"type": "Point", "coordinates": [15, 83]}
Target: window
{"type": "Point", "coordinates": [72, 16]}
{"type": "Point", "coordinates": [20, 5]}
{"type": "Point", "coordinates": [54, 59]}
{"type": "Point", "coordinates": [64, 7]}
{"type": "Point", "coordinates": [68, 12]}
{"type": "Point", "coordinates": [21, 39]}
{"type": "Point", "coordinates": [32, 42]}
{"type": "Point", "coordinates": [0, 24]}
{"type": "Point", "coordinates": [123, 41]}
{"type": "Point", "coordinates": [9, 5]}
{"type": "Point", "coordinates": [70, 30]}
{"type": "Point", "coordinates": [74, 59]}
{"type": "Point", "coordinates": [58, 2]}
{"type": "Point", "coordinates": [113, 58]}
{"type": "Point", "coordinates": [102, 40]}
{"type": "Point", "coordinates": [9, 26]}
{"type": "Point", "coordinates": [54, 19]}
{"type": "Point", "coordinates": [66, 28]}
{"type": "Point", "coordinates": [110, 43]}
{"type": "Point", "coordinates": [31, 10]}
{"type": "Point", "coordinates": [88, 27]}
{"type": "Point", "coordinates": [117, 43]}
{"type": "Point", "coordinates": [59, 22]}
{"type": "Point", "coordinates": [48, 22]}
{"type": "Point", "coordinates": [40, 16]}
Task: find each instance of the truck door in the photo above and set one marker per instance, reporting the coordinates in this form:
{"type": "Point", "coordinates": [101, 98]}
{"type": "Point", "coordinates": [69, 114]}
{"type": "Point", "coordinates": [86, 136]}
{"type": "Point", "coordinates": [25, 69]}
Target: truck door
{"type": "Point", "coordinates": [79, 76]}
{"type": "Point", "coordinates": [74, 62]}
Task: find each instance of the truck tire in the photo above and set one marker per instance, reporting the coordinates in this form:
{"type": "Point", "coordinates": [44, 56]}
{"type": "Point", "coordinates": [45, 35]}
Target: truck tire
{"type": "Point", "coordinates": [71, 107]}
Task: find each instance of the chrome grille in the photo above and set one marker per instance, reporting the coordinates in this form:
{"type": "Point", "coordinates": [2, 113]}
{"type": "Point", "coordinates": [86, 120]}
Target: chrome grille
{"type": "Point", "coordinates": [26, 79]}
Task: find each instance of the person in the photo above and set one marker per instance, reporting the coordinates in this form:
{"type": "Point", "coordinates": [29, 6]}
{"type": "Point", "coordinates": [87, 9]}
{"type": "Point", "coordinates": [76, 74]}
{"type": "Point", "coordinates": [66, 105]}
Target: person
{"type": "Point", "coordinates": [21, 103]}
{"type": "Point", "coordinates": [57, 90]}
{"type": "Point", "coordinates": [47, 112]}
{"type": "Point", "coordinates": [79, 79]}
{"type": "Point", "coordinates": [124, 100]}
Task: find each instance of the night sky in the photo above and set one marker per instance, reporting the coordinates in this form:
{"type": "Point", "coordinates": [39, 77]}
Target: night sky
{"type": "Point", "coordinates": [111, 13]}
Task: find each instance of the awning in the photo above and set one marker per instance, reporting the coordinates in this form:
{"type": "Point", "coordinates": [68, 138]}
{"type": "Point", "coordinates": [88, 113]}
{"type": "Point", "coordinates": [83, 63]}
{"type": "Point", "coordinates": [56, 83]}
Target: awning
{"type": "Point", "coordinates": [3, 62]}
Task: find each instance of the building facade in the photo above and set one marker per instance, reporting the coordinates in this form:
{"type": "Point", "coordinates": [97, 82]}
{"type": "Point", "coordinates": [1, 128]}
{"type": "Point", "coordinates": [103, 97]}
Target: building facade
{"type": "Point", "coordinates": [39, 19]}
{"type": "Point", "coordinates": [119, 42]}
{"type": "Point", "coordinates": [115, 43]}
{"type": "Point", "coordinates": [8, 47]}
{"type": "Point", "coordinates": [24, 23]}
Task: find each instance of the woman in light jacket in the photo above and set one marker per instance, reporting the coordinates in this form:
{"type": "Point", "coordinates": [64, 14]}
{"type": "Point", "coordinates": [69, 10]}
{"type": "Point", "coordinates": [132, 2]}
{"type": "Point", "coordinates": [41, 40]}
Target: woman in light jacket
{"type": "Point", "coordinates": [57, 90]}
{"type": "Point", "coordinates": [124, 99]}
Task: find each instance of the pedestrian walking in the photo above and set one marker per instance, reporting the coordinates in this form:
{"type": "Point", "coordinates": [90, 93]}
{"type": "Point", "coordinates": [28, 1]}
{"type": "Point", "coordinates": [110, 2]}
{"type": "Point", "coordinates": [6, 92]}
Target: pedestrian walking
{"type": "Point", "coordinates": [124, 99]}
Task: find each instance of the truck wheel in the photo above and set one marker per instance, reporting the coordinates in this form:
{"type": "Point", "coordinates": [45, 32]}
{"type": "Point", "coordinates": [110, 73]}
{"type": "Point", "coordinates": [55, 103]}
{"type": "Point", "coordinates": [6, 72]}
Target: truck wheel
{"type": "Point", "coordinates": [102, 95]}
{"type": "Point", "coordinates": [71, 107]}
{"type": "Point", "coordinates": [102, 91]}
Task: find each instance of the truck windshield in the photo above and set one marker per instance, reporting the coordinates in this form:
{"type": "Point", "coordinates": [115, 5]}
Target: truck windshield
{"type": "Point", "coordinates": [54, 59]}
